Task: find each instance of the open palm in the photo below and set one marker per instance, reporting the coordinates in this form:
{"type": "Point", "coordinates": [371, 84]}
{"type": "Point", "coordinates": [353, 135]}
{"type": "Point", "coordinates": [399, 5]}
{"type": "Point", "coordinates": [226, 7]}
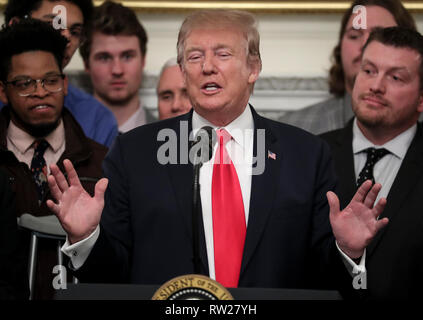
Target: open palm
{"type": "Point", "coordinates": [356, 225]}
{"type": "Point", "coordinates": [77, 211]}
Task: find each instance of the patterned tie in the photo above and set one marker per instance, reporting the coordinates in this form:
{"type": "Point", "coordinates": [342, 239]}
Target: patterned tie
{"type": "Point", "coordinates": [229, 227]}
{"type": "Point", "coordinates": [373, 156]}
{"type": "Point", "coordinates": [39, 168]}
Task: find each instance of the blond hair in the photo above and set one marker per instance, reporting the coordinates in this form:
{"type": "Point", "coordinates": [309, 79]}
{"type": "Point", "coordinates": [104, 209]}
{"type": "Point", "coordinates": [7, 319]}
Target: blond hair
{"type": "Point", "coordinates": [225, 19]}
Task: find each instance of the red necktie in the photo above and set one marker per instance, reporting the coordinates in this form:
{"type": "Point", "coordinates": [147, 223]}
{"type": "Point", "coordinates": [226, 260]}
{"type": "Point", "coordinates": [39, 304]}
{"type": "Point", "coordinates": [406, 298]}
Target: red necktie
{"type": "Point", "coordinates": [229, 225]}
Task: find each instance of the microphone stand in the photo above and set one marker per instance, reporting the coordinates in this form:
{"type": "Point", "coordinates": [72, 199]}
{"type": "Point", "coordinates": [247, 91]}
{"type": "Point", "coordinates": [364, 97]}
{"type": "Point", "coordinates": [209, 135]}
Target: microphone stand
{"type": "Point", "coordinates": [205, 155]}
{"type": "Point", "coordinates": [196, 211]}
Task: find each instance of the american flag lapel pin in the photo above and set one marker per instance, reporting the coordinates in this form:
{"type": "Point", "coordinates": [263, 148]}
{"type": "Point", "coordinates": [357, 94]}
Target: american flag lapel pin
{"type": "Point", "coordinates": [271, 155]}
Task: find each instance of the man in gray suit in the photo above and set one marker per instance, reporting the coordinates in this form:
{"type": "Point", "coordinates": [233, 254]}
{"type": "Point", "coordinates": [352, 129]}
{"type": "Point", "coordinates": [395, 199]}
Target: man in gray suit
{"type": "Point", "coordinates": [335, 112]}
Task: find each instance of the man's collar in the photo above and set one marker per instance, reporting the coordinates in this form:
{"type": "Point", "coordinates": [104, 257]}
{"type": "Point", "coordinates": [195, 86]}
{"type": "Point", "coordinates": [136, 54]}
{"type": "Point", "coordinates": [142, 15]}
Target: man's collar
{"type": "Point", "coordinates": [23, 140]}
{"type": "Point", "coordinates": [237, 128]}
{"type": "Point", "coordinates": [397, 146]}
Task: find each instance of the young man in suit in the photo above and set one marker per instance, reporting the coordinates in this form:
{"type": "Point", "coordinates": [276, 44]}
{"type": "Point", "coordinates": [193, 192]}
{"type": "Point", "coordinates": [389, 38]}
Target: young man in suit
{"type": "Point", "coordinates": [384, 143]}
{"type": "Point", "coordinates": [335, 112]}
{"type": "Point", "coordinates": [114, 57]}
{"type": "Point", "coordinates": [95, 119]}
{"type": "Point", "coordinates": [259, 227]}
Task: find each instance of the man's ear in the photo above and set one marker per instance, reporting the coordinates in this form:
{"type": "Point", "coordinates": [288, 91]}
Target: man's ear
{"type": "Point", "coordinates": [181, 66]}
{"type": "Point", "coordinates": [65, 85]}
{"type": "Point", "coordinates": [255, 69]}
{"type": "Point", "coordinates": [3, 95]}
{"type": "Point", "coordinates": [143, 60]}
{"type": "Point", "coordinates": [420, 102]}
{"type": "Point", "coordinates": [86, 66]}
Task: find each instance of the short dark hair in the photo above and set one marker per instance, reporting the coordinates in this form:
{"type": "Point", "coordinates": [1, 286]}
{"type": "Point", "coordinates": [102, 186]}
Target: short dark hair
{"type": "Point", "coordinates": [402, 17]}
{"type": "Point", "coordinates": [399, 37]}
{"type": "Point", "coordinates": [29, 35]}
{"type": "Point", "coordinates": [22, 8]}
{"type": "Point", "coordinates": [113, 19]}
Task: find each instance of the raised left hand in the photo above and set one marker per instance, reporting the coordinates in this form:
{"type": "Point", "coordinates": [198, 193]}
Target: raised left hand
{"type": "Point", "coordinates": [356, 225]}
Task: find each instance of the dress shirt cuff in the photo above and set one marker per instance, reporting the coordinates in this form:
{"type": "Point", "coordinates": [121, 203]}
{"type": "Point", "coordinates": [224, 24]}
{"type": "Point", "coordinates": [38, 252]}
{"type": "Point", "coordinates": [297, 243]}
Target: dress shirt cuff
{"type": "Point", "coordinates": [79, 251]}
{"type": "Point", "coordinates": [352, 267]}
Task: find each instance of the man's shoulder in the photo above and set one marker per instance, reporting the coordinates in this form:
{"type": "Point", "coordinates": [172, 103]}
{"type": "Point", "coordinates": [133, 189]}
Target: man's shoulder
{"type": "Point", "coordinates": [79, 99]}
{"type": "Point", "coordinates": [333, 137]}
{"type": "Point", "coordinates": [285, 129]}
{"type": "Point", "coordinates": [97, 148]}
{"type": "Point", "coordinates": [292, 139]}
{"type": "Point", "coordinates": [333, 104]}
{"type": "Point", "coordinates": [317, 118]}
{"type": "Point", "coordinates": [173, 127]}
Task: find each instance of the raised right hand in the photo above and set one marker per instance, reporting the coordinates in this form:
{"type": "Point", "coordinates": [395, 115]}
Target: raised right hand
{"type": "Point", "coordinates": [77, 211]}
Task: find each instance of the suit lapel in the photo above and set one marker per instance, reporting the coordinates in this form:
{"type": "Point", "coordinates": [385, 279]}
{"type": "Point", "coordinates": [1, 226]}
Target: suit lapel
{"type": "Point", "coordinates": [181, 179]}
{"type": "Point", "coordinates": [344, 165]}
{"type": "Point", "coordinates": [409, 174]}
{"type": "Point", "coordinates": [263, 188]}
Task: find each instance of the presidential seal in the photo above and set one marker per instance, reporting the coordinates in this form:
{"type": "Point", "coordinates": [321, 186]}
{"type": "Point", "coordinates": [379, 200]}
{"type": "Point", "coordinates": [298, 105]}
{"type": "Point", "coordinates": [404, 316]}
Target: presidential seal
{"type": "Point", "coordinates": [192, 287]}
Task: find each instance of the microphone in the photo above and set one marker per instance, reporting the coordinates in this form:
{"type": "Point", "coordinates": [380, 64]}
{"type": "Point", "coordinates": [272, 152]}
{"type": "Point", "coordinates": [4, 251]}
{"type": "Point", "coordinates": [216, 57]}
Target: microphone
{"type": "Point", "coordinates": [201, 151]}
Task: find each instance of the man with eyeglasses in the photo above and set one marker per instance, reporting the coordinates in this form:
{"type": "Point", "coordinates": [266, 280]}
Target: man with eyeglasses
{"type": "Point", "coordinates": [96, 120]}
{"type": "Point", "coordinates": [36, 130]}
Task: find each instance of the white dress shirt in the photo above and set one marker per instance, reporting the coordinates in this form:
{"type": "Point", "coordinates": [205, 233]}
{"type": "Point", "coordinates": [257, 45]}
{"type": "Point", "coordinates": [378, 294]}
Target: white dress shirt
{"type": "Point", "coordinates": [386, 169]}
{"type": "Point", "coordinates": [21, 144]}
{"type": "Point", "coordinates": [240, 150]}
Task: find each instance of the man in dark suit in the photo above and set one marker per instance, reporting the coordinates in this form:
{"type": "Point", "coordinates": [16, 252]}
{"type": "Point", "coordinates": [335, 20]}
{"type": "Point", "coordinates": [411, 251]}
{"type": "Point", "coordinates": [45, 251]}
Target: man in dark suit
{"type": "Point", "coordinates": [13, 275]}
{"type": "Point", "coordinates": [263, 223]}
{"type": "Point", "coordinates": [387, 101]}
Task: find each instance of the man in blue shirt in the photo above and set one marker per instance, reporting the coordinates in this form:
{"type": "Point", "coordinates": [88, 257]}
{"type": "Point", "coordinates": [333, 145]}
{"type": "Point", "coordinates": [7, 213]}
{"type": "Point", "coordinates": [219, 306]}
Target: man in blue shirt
{"type": "Point", "coordinates": [96, 120]}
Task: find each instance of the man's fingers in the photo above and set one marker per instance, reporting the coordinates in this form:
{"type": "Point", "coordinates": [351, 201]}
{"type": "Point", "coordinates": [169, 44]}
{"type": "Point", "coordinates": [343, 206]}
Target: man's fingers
{"type": "Point", "coordinates": [333, 203]}
{"type": "Point", "coordinates": [370, 199]}
{"type": "Point", "coordinates": [53, 207]}
{"type": "Point", "coordinates": [380, 224]}
{"type": "Point", "coordinates": [100, 189]}
{"type": "Point", "coordinates": [54, 189]}
{"type": "Point", "coordinates": [59, 177]}
{"type": "Point", "coordinates": [71, 172]}
{"type": "Point", "coordinates": [378, 209]}
{"type": "Point", "coordinates": [362, 191]}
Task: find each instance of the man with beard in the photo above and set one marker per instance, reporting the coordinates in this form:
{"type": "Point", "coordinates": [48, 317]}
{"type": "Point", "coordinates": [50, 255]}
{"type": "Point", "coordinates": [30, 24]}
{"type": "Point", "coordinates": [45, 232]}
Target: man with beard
{"type": "Point", "coordinates": [35, 129]}
{"type": "Point", "coordinates": [384, 143]}
{"type": "Point", "coordinates": [95, 119]}
{"type": "Point", "coordinates": [335, 112]}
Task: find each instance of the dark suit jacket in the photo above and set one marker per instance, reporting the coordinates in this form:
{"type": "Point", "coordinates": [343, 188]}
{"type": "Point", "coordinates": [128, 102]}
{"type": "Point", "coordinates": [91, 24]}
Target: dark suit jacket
{"type": "Point", "coordinates": [394, 259]}
{"type": "Point", "coordinates": [146, 224]}
{"type": "Point", "coordinates": [13, 275]}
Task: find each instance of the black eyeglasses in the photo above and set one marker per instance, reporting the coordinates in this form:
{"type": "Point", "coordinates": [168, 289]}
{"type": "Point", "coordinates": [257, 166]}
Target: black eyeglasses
{"type": "Point", "coordinates": [26, 86]}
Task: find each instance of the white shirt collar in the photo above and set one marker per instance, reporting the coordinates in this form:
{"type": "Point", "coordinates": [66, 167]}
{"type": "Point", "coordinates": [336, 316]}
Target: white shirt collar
{"type": "Point", "coordinates": [236, 128]}
{"type": "Point", "coordinates": [397, 146]}
{"type": "Point", "coordinates": [24, 141]}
